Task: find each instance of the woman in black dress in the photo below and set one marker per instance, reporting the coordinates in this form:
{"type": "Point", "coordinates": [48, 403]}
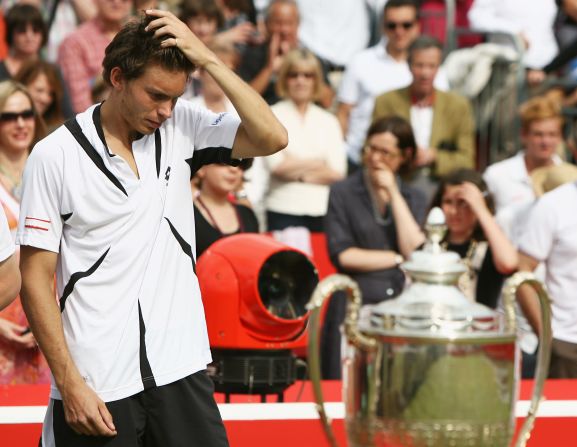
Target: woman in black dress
{"type": "Point", "coordinates": [473, 233]}
{"type": "Point", "coordinates": [216, 213]}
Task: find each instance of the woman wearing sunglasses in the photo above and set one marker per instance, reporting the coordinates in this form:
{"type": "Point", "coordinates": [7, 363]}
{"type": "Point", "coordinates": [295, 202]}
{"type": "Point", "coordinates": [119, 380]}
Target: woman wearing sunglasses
{"type": "Point", "coordinates": [301, 174]}
{"type": "Point", "coordinates": [215, 215]}
{"type": "Point", "coordinates": [20, 128]}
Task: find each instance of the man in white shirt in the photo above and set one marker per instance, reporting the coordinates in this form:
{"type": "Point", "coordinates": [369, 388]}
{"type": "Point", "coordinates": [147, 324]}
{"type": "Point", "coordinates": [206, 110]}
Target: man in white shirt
{"type": "Point", "coordinates": [532, 22]}
{"type": "Point", "coordinates": [107, 206]}
{"type": "Point", "coordinates": [9, 273]}
{"type": "Point", "coordinates": [377, 70]}
{"type": "Point", "coordinates": [550, 237]}
{"type": "Point", "coordinates": [509, 181]}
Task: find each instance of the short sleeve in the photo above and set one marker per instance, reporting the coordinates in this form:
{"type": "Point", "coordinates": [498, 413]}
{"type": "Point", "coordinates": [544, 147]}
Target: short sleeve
{"type": "Point", "coordinates": [206, 129]}
{"type": "Point", "coordinates": [539, 235]}
{"type": "Point", "coordinates": [40, 222]}
{"type": "Point", "coordinates": [6, 243]}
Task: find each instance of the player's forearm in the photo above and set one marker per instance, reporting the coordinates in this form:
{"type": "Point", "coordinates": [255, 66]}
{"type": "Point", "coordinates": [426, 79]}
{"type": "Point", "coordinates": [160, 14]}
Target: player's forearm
{"type": "Point", "coordinates": [39, 303]}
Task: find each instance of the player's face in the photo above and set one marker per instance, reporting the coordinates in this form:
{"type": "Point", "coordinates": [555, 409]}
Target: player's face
{"type": "Point", "coordinates": [148, 101]}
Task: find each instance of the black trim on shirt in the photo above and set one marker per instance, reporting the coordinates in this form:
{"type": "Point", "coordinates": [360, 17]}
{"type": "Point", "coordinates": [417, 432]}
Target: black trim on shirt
{"type": "Point", "coordinates": [75, 277]}
{"type": "Point", "coordinates": [208, 155]}
{"type": "Point", "coordinates": [98, 125]}
{"type": "Point", "coordinates": [148, 380]}
{"type": "Point", "coordinates": [186, 248]}
{"type": "Point", "coordinates": [76, 131]}
{"type": "Point", "coordinates": [158, 151]}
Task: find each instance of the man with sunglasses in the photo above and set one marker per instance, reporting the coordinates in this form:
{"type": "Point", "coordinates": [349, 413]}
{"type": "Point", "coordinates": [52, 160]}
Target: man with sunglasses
{"type": "Point", "coordinates": [377, 70]}
{"type": "Point", "coordinates": [107, 206]}
{"type": "Point", "coordinates": [9, 273]}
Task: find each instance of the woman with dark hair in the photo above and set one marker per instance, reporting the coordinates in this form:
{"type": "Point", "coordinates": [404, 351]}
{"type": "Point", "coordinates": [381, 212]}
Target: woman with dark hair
{"type": "Point", "coordinates": [474, 234]}
{"type": "Point", "coordinates": [367, 209]}
{"type": "Point", "coordinates": [26, 34]}
{"type": "Point", "coordinates": [372, 225]}
{"type": "Point", "coordinates": [46, 87]}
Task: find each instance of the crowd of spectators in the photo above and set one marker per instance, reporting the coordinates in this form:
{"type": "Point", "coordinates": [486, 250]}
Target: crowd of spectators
{"type": "Point", "coordinates": [376, 137]}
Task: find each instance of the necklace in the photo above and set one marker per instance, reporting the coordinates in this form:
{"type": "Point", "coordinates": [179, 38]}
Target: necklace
{"type": "Point", "coordinates": [16, 189]}
{"type": "Point", "coordinates": [213, 220]}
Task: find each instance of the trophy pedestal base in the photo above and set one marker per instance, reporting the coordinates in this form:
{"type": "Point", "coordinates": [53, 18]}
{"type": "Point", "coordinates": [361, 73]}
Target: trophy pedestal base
{"type": "Point", "coordinates": [428, 434]}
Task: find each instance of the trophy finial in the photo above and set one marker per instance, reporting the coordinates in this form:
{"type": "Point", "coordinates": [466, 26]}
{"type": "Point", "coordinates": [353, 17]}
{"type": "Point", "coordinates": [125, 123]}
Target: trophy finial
{"type": "Point", "coordinates": [436, 229]}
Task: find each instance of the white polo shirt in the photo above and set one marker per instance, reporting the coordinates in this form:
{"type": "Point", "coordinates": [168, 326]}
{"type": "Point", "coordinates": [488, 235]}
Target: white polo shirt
{"type": "Point", "coordinates": [551, 237]}
{"type": "Point", "coordinates": [511, 186]}
{"type": "Point", "coordinates": [6, 243]}
{"type": "Point", "coordinates": [372, 72]}
{"type": "Point", "coordinates": [129, 296]}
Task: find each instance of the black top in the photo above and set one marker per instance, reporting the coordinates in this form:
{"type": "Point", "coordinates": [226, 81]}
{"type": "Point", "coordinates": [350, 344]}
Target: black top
{"type": "Point", "coordinates": [489, 280]}
{"type": "Point", "coordinates": [351, 222]}
{"type": "Point", "coordinates": [206, 234]}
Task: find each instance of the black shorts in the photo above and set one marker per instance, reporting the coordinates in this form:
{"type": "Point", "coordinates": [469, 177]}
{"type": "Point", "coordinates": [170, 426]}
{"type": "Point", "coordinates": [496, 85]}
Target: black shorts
{"type": "Point", "coordinates": [180, 414]}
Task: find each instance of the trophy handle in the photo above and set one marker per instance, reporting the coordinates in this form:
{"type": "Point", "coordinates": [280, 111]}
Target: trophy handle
{"type": "Point", "coordinates": [324, 290]}
{"type": "Point", "coordinates": [544, 355]}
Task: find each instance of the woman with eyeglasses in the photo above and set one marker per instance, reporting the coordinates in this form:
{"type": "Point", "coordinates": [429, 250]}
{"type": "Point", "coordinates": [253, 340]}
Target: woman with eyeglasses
{"type": "Point", "coordinates": [215, 214]}
{"type": "Point", "coordinates": [474, 234]}
{"type": "Point", "coordinates": [372, 225]}
{"type": "Point", "coordinates": [315, 158]}
{"type": "Point", "coordinates": [20, 128]}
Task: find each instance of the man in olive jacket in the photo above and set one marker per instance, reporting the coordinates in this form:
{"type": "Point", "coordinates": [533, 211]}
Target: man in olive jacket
{"type": "Point", "coordinates": [442, 122]}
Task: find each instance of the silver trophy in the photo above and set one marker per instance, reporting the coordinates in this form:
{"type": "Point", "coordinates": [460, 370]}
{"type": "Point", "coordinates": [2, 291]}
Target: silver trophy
{"type": "Point", "coordinates": [430, 368]}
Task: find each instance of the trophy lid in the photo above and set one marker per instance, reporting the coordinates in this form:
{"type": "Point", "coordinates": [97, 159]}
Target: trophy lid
{"type": "Point", "coordinates": [433, 305]}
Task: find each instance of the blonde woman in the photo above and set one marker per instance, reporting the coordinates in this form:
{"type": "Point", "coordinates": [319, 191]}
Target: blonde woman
{"type": "Point", "coordinates": [315, 158]}
{"type": "Point", "coordinates": [20, 128]}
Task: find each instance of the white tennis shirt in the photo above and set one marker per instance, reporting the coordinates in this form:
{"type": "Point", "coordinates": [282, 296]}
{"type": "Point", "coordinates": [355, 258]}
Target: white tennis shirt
{"type": "Point", "coordinates": [129, 296]}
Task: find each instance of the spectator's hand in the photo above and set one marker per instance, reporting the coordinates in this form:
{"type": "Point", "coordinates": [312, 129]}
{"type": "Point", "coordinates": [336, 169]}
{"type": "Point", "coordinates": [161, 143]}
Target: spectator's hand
{"type": "Point", "coordinates": [275, 55]}
{"type": "Point", "coordinates": [14, 334]}
{"type": "Point", "coordinates": [535, 77]}
{"type": "Point", "coordinates": [178, 34]}
{"type": "Point", "coordinates": [84, 411]}
{"type": "Point", "coordinates": [425, 157]}
{"type": "Point", "coordinates": [385, 181]}
{"type": "Point", "coordinates": [241, 33]}
{"type": "Point", "coordinates": [473, 196]}
{"type": "Point", "coordinates": [525, 40]}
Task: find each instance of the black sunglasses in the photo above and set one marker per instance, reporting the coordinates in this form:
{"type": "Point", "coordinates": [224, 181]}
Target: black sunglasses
{"type": "Point", "coordinates": [393, 25]}
{"type": "Point", "coordinates": [7, 117]}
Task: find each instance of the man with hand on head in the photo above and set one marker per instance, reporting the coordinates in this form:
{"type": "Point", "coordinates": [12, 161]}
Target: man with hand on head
{"type": "Point", "coordinates": [9, 273]}
{"type": "Point", "coordinates": [127, 344]}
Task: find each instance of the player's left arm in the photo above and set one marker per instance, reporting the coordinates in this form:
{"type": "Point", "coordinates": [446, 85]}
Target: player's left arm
{"type": "Point", "coordinates": [260, 132]}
